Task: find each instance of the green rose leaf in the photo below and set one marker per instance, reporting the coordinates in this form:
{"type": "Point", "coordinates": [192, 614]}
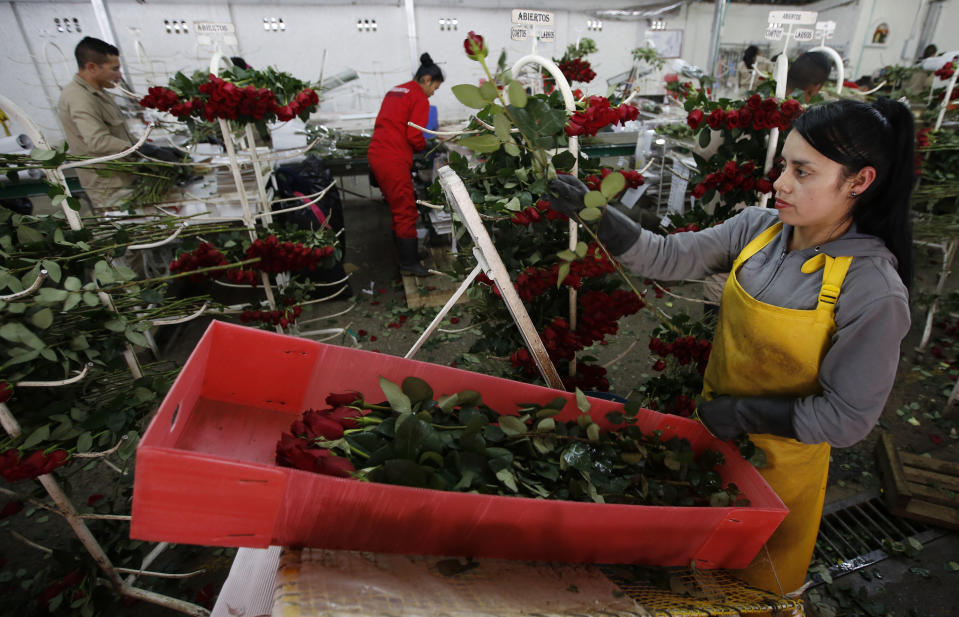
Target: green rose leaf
{"type": "Point", "coordinates": [546, 425]}
{"type": "Point", "coordinates": [16, 332]}
{"type": "Point", "coordinates": [505, 475]}
{"type": "Point", "coordinates": [513, 205]}
{"type": "Point", "coordinates": [118, 324]}
{"type": "Point", "coordinates": [488, 91]}
{"type": "Point", "coordinates": [72, 283]}
{"type": "Point", "coordinates": [582, 403]}
{"type": "Point", "coordinates": [564, 160]}
{"type": "Point", "coordinates": [590, 214]}
{"type": "Point", "coordinates": [592, 432]}
{"type": "Point", "coordinates": [566, 255]}
{"type": "Point", "coordinates": [704, 137]}
{"type": "Point", "coordinates": [581, 249]}
{"type": "Point", "coordinates": [90, 299]}
{"type": "Point", "coordinates": [28, 235]}
{"type": "Point", "coordinates": [410, 434]}
{"type": "Point", "coordinates": [71, 302]}
{"type": "Point", "coordinates": [103, 272]}
{"type": "Point", "coordinates": [517, 94]}
{"type": "Point", "coordinates": [136, 338]}
{"type": "Point", "coordinates": [594, 199]}
{"type": "Point", "coordinates": [37, 436]}
{"type": "Point", "coordinates": [417, 389]}
{"type": "Point", "coordinates": [511, 149]}
{"type": "Point", "coordinates": [50, 295]}
{"type": "Point", "coordinates": [562, 273]}
{"type": "Point", "coordinates": [576, 455]}
{"type": "Point", "coordinates": [42, 154]}
{"type": "Point", "coordinates": [512, 425]}
{"type": "Point", "coordinates": [53, 270]}
{"type": "Point", "coordinates": [481, 143]}
{"type": "Point", "coordinates": [394, 394]}
{"type": "Point", "coordinates": [43, 318]}
{"type": "Point", "coordinates": [469, 95]}
{"type": "Point", "coordinates": [84, 442]}
{"type": "Point", "coordinates": [501, 127]}
{"type": "Point", "coordinates": [612, 184]}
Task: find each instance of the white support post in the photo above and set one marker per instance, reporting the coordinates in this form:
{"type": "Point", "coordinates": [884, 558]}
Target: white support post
{"type": "Point", "coordinates": [459, 198]}
{"type": "Point", "coordinates": [837, 61]}
{"type": "Point", "coordinates": [570, 103]}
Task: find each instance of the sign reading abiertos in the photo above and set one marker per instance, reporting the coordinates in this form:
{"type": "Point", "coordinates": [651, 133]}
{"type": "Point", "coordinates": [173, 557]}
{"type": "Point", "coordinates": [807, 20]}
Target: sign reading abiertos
{"type": "Point", "coordinates": [792, 17]}
{"type": "Point", "coordinates": [213, 27]}
{"type": "Point", "coordinates": [532, 18]}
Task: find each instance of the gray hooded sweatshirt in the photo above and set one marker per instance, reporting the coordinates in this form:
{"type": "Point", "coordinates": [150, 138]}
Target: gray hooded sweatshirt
{"type": "Point", "coordinates": [872, 314]}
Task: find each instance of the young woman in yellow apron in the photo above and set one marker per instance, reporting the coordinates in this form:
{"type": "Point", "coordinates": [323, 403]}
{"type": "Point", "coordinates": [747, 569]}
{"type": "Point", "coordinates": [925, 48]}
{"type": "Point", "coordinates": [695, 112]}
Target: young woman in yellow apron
{"type": "Point", "coordinates": [814, 309]}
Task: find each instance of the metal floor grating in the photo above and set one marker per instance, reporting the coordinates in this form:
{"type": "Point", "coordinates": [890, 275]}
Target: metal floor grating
{"type": "Point", "coordinates": [852, 532]}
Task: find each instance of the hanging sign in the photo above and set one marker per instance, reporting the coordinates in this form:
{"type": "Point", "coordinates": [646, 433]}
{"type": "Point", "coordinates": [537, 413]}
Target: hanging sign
{"type": "Point", "coordinates": [773, 34]}
{"type": "Point", "coordinates": [825, 29]}
{"type": "Point", "coordinates": [546, 36]}
{"type": "Point", "coordinates": [532, 18]}
{"type": "Point", "coordinates": [519, 33]}
{"type": "Point", "coordinates": [802, 34]}
{"type": "Point", "coordinates": [792, 17]}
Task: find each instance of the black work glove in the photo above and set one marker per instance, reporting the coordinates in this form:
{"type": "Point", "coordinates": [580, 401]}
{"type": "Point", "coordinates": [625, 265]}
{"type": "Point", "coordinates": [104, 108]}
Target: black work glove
{"type": "Point", "coordinates": [727, 417]}
{"type": "Point", "coordinates": [616, 230]}
{"type": "Point", "coordinates": [162, 153]}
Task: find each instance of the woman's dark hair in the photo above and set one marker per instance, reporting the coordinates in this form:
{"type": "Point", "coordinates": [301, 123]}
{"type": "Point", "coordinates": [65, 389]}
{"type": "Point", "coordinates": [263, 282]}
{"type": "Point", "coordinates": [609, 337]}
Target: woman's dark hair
{"type": "Point", "coordinates": [878, 135]}
{"type": "Point", "coordinates": [428, 67]}
{"type": "Point", "coordinates": [749, 56]}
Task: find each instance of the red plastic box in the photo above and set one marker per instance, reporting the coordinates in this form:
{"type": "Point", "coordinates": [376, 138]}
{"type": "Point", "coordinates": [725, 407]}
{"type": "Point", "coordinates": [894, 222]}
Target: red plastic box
{"type": "Point", "coordinates": [205, 471]}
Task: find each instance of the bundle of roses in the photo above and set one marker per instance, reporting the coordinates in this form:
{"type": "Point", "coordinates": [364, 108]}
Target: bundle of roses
{"type": "Point", "coordinates": [733, 175]}
{"type": "Point", "coordinates": [454, 442]}
{"type": "Point", "coordinates": [507, 181]}
{"type": "Point", "coordinates": [241, 95]}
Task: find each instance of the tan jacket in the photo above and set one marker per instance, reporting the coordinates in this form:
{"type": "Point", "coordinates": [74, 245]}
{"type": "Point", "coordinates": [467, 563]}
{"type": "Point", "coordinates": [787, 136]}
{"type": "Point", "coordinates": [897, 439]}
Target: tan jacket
{"type": "Point", "coordinates": [94, 126]}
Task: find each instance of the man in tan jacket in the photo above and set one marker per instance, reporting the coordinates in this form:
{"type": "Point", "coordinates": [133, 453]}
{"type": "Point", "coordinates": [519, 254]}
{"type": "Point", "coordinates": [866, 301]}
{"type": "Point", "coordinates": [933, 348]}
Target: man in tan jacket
{"type": "Point", "coordinates": [91, 119]}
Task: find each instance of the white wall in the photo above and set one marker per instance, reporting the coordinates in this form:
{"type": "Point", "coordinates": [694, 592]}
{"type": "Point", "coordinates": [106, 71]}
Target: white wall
{"type": "Point", "coordinates": [322, 37]}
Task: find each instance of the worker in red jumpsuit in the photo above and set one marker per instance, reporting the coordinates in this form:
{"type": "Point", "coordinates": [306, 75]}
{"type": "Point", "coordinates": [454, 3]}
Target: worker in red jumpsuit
{"type": "Point", "coordinates": [391, 155]}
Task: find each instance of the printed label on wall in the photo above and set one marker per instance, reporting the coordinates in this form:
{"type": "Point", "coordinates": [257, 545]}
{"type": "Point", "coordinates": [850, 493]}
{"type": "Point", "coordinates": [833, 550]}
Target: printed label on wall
{"type": "Point", "coordinates": [213, 27]}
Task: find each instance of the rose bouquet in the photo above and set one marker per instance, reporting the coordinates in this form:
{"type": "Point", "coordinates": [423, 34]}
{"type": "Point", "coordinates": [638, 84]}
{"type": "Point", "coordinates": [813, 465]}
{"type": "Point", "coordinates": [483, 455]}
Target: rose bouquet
{"type": "Point", "coordinates": [456, 443]}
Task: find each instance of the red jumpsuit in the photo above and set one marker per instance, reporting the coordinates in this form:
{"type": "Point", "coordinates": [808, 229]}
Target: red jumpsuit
{"type": "Point", "coordinates": [391, 152]}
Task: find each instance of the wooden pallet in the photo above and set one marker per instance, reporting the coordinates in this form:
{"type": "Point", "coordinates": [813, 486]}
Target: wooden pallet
{"type": "Point", "coordinates": [919, 487]}
{"type": "Point", "coordinates": [433, 290]}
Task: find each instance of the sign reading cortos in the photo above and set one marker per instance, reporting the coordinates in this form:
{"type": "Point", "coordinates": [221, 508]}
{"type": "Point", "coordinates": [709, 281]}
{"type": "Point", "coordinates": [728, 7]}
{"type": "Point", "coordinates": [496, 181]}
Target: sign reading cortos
{"type": "Point", "coordinates": [532, 18]}
{"type": "Point", "coordinates": [773, 34]}
{"type": "Point", "coordinates": [792, 17]}
{"type": "Point", "coordinates": [213, 27]}
{"type": "Point", "coordinates": [519, 33]}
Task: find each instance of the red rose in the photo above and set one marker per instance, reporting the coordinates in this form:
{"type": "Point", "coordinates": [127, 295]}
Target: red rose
{"type": "Point", "coordinates": [715, 119]}
{"type": "Point", "coordinates": [745, 118]}
{"type": "Point", "coordinates": [732, 119]}
{"type": "Point", "coordinates": [759, 120]}
{"type": "Point", "coordinates": [695, 119]}
{"type": "Point", "coordinates": [6, 391]}
{"type": "Point", "coordinates": [699, 190]}
{"type": "Point", "coordinates": [319, 424]}
{"type": "Point", "coordinates": [93, 499]}
{"type": "Point", "coordinates": [338, 399]}
{"type": "Point", "coordinates": [730, 169]}
{"type": "Point", "coordinates": [770, 104]}
{"type": "Point", "coordinates": [747, 168]}
{"type": "Point", "coordinates": [791, 108]}
{"type": "Point", "coordinates": [475, 46]}
{"type": "Point", "coordinates": [764, 186]}
{"type": "Point", "coordinates": [777, 120]}
{"type": "Point", "coordinates": [755, 102]}
{"type": "Point", "coordinates": [725, 187]}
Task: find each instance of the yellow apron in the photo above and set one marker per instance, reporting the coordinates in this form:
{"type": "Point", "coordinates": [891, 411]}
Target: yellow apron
{"type": "Point", "coordinates": [765, 350]}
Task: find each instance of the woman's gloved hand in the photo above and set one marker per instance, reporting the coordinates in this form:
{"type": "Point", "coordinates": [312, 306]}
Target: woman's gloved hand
{"type": "Point", "coordinates": [727, 417]}
{"type": "Point", "coordinates": [616, 230]}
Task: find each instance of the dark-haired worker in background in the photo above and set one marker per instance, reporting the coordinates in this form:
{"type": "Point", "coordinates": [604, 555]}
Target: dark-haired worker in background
{"type": "Point", "coordinates": [391, 155]}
